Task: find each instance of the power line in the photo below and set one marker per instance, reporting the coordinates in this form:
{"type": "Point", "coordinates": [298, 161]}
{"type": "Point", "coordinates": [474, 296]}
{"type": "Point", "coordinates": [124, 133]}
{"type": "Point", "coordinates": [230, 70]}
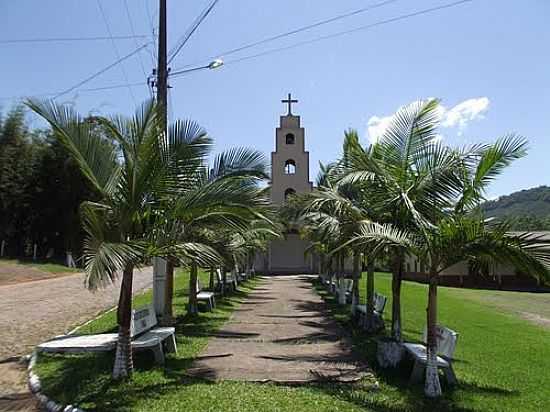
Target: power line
{"type": "Point", "coordinates": [94, 89]}
{"type": "Point", "coordinates": [93, 76]}
{"type": "Point", "coordinates": [152, 26]}
{"type": "Point", "coordinates": [174, 52]}
{"type": "Point", "coordinates": [133, 32]}
{"type": "Point", "coordinates": [317, 39]}
{"type": "Point", "coordinates": [72, 39]}
{"type": "Point", "coordinates": [122, 69]}
{"type": "Point", "coordinates": [301, 29]}
{"type": "Point", "coordinates": [341, 33]}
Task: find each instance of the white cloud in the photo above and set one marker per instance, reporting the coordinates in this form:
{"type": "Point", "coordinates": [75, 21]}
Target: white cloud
{"type": "Point", "coordinates": [457, 116]}
{"type": "Point", "coordinates": [464, 112]}
{"type": "Point", "coordinates": [376, 126]}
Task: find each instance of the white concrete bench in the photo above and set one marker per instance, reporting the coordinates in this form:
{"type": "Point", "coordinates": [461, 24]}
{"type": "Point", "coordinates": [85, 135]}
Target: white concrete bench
{"type": "Point", "coordinates": [230, 282]}
{"type": "Point", "coordinates": [348, 289]}
{"type": "Point", "coordinates": [205, 296]}
{"type": "Point", "coordinates": [446, 344]}
{"type": "Point", "coordinates": [246, 275]}
{"type": "Point", "coordinates": [327, 281]}
{"type": "Point", "coordinates": [379, 305]}
{"type": "Point", "coordinates": [144, 334]}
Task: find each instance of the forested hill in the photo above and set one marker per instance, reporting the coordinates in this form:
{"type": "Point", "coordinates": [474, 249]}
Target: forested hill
{"type": "Point", "coordinates": [530, 207]}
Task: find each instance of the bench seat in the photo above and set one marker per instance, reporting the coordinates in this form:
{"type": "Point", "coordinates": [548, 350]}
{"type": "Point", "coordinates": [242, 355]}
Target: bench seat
{"type": "Point", "coordinates": [419, 352]}
{"type": "Point", "coordinates": [446, 344]}
{"type": "Point", "coordinates": [80, 343]}
{"type": "Point", "coordinates": [144, 335]}
{"type": "Point", "coordinates": [205, 296]}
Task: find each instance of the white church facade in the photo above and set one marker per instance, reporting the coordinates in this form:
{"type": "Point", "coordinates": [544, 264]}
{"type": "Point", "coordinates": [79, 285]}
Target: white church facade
{"type": "Point", "coordinates": [289, 175]}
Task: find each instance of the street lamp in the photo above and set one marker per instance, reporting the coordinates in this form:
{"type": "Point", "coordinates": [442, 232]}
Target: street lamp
{"type": "Point", "coordinates": [212, 65]}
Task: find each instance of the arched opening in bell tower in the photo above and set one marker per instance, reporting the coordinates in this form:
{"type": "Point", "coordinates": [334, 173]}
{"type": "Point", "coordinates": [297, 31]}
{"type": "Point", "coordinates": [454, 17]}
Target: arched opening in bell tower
{"type": "Point", "coordinates": [289, 192]}
{"type": "Point", "coordinates": [289, 138]}
{"type": "Point", "coordinates": [290, 167]}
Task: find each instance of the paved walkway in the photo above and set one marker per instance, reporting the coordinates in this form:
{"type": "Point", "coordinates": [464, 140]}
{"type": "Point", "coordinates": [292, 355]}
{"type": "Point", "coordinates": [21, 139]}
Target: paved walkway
{"type": "Point", "coordinates": [33, 312]}
{"type": "Point", "coordinates": [281, 333]}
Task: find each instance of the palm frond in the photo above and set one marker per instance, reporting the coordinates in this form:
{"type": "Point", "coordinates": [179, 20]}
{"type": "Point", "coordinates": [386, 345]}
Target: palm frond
{"type": "Point", "coordinates": [95, 157]}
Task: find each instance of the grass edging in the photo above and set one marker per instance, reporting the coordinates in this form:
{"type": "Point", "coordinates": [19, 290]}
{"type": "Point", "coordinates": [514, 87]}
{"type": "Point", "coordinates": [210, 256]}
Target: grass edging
{"type": "Point", "coordinates": [35, 387]}
{"type": "Point", "coordinates": [73, 395]}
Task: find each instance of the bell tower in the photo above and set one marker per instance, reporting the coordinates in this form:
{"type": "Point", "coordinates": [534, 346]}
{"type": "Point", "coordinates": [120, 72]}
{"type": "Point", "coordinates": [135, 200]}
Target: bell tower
{"type": "Point", "coordinates": [290, 160]}
{"type": "Point", "coordinates": [289, 175]}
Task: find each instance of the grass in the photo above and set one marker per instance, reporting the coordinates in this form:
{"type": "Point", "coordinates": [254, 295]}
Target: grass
{"type": "Point", "coordinates": [503, 361]}
{"type": "Point", "coordinates": [45, 266]}
{"type": "Point", "coordinates": [503, 364]}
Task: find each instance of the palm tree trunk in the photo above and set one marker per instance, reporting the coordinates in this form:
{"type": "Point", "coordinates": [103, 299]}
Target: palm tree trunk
{"type": "Point", "coordinates": [193, 307]}
{"type": "Point", "coordinates": [432, 387]}
{"type": "Point", "coordinates": [167, 313]}
{"type": "Point", "coordinates": [330, 273]}
{"type": "Point", "coordinates": [356, 277]}
{"type": "Point", "coordinates": [342, 293]}
{"type": "Point", "coordinates": [369, 324]}
{"type": "Point", "coordinates": [396, 298]}
{"type": "Point", "coordinates": [124, 366]}
{"type": "Point", "coordinates": [224, 280]}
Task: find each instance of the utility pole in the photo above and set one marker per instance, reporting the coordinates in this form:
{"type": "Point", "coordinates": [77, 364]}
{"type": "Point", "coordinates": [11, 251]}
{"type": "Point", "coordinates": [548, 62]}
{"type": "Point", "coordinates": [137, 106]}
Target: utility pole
{"type": "Point", "coordinates": [162, 69]}
{"type": "Point", "coordinates": [162, 287]}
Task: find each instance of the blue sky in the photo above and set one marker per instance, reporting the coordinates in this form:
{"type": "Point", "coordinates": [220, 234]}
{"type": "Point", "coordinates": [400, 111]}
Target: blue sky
{"type": "Point", "coordinates": [485, 59]}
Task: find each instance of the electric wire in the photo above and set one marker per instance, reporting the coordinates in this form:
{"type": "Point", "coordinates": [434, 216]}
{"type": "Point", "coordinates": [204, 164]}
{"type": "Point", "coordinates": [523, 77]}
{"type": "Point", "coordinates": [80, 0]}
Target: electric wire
{"type": "Point", "coordinates": [133, 32]}
{"type": "Point", "coordinates": [338, 34]}
{"type": "Point", "coordinates": [96, 74]}
{"type": "Point", "coordinates": [183, 40]}
{"type": "Point", "coordinates": [152, 26]}
{"type": "Point", "coordinates": [93, 89]}
{"type": "Point", "coordinates": [238, 60]}
{"type": "Point", "coordinates": [301, 29]}
{"type": "Point", "coordinates": [122, 69]}
{"type": "Point", "coordinates": [72, 39]}
{"type": "Point", "coordinates": [308, 27]}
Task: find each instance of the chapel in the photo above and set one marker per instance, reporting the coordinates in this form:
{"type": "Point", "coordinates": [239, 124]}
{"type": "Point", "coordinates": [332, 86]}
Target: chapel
{"type": "Point", "coordinates": [289, 175]}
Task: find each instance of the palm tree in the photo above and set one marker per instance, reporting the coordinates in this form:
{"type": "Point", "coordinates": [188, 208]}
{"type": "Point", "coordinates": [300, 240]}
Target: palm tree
{"type": "Point", "coordinates": [330, 214]}
{"type": "Point", "coordinates": [212, 199]}
{"type": "Point", "coordinates": [463, 234]}
{"type": "Point", "coordinates": [135, 179]}
{"type": "Point", "coordinates": [403, 188]}
{"type": "Point", "coordinates": [363, 190]}
{"type": "Point", "coordinates": [474, 240]}
{"type": "Point", "coordinates": [454, 229]}
{"type": "Point", "coordinates": [128, 177]}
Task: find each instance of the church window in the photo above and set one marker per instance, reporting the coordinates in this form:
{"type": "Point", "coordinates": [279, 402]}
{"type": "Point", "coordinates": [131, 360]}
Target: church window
{"type": "Point", "coordinates": [289, 192]}
{"type": "Point", "coordinates": [290, 167]}
{"type": "Point", "coordinates": [289, 138]}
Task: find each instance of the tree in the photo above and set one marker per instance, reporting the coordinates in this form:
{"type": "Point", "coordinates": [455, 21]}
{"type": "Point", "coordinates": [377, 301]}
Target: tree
{"type": "Point", "coordinates": [224, 198]}
{"type": "Point", "coordinates": [16, 160]}
{"type": "Point", "coordinates": [330, 215]}
{"type": "Point", "coordinates": [403, 187]}
{"type": "Point", "coordinates": [131, 179]}
{"type": "Point", "coordinates": [455, 230]}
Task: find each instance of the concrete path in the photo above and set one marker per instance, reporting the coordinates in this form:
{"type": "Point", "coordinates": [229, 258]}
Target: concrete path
{"type": "Point", "coordinates": [280, 333]}
{"type": "Point", "coordinates": [33, 312]}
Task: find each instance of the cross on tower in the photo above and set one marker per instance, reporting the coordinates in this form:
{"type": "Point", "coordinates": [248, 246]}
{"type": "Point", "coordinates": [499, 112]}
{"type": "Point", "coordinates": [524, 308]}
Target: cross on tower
{"type": "Point", "coordinates": [289, 101]}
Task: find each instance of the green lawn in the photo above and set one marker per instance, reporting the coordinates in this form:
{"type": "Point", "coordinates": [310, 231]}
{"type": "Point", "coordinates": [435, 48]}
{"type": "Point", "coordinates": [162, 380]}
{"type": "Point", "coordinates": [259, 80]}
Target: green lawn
{"type": "Point", "coordinates": [44, 266]}
{"type": "Point", "coordinates": [503, 361]}
{"type": "Point", "coordinates": [503, 365]}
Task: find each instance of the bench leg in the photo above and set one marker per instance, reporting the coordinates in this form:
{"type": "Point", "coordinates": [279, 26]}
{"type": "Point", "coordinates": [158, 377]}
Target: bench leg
{"type": "Point", "coordinates": [171, 344]}
{"type": "Point", "coordinates": [159, 353]}
{"type": "Point", "coordinates": [213, 301]}
{"type": "Point", "coordinates": [417, 372]}
{"type": "Point", "coordinates": [450, 375]}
